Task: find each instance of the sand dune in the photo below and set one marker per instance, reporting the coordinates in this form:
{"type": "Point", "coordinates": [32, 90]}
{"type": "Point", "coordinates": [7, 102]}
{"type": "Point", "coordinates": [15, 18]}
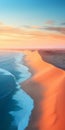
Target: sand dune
{"type": "Point", "coordinates": [55, 57]}
{"type": "Point", "coordinates": [52, 105]}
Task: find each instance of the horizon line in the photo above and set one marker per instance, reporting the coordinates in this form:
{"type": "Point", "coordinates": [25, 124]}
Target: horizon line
{"type": "Point", "coordinates": [20, 49]}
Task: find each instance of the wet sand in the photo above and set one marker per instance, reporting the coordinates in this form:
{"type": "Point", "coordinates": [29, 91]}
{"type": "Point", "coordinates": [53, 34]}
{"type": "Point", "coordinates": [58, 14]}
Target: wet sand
{"type": "Point", "coordinates": [47, 88]}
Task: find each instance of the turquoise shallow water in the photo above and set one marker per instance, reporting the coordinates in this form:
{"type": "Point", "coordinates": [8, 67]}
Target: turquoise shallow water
{"type": "Point", "coordinates": [15, 104]}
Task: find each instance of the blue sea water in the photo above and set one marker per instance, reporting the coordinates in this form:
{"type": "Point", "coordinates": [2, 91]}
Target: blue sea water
{"type": "Point", "coordinates": [15, 105]}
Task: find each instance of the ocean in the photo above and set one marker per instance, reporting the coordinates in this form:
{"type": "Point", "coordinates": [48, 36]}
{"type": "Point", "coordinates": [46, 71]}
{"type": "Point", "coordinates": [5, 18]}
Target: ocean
{"type": "Point", "coordinates": [15, 104]}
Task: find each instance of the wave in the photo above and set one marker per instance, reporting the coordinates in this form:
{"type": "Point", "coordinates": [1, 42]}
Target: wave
{"type": "Point", "coordinates": [12, 73]}
{"type": "Point", "coordinates": [7, 83]}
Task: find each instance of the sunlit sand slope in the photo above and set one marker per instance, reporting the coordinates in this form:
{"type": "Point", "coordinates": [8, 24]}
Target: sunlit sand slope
{"type": "Point", "coordinates": [52, 105]}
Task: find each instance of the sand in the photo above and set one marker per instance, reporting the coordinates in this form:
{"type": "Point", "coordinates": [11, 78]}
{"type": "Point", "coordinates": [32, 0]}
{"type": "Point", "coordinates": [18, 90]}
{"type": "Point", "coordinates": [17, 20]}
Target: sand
{"type": "Point", "coordinates": [47, 88]}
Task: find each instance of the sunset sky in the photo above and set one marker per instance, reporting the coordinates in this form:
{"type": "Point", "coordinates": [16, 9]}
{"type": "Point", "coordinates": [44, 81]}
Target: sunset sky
{"type": "Point", "coordinates": [32, 23]}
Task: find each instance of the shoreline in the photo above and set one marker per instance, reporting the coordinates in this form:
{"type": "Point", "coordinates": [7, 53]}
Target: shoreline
{"type": "Point", "coordinates": [32, 88]}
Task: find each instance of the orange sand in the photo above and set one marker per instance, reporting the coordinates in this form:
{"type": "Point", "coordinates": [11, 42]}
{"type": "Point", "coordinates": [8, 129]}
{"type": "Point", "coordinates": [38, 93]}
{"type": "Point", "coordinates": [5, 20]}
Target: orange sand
{"type": "Point", "coordinates": [53, 103]}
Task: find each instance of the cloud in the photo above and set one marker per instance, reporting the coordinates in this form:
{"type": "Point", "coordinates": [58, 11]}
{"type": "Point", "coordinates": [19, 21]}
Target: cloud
{"type": "Point", "coordinates": [27, 26]}
{"type": "Point", "coordinates": [9, 30]}
{"type": "Point", "coordinates": [31, 27]}
{"type": "Point", "coordinates": [50, 22]}
{"type": "Point", "coordinates": [63, 23]}
{"type": "Point", "coordinates": [20, 37]}
{"type": "Point", "coordinates": [1, 23]}
{"type": "Point", "coordinates": [56, 29]}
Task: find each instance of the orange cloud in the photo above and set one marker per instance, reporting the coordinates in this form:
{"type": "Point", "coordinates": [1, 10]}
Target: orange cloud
{"type": "Point", "coordinates": [11, 37]}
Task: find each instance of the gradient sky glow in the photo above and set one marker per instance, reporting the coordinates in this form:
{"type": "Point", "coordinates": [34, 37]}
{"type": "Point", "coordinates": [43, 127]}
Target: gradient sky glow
{"type": "Point", "coordinates": [32, 23]}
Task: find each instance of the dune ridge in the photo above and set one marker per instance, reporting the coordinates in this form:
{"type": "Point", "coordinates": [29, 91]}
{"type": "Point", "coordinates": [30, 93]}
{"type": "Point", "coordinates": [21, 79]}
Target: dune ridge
{"type": "Point", "coordinates": [52, 79]}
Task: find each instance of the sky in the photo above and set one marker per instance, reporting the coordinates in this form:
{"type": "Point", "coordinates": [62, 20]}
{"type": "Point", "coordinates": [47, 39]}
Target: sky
{"type": "Point", "coordinates": [32, 24]}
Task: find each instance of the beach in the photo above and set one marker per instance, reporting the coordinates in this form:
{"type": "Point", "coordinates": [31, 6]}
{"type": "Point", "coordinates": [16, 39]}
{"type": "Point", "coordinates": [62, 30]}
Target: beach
{"type": "Point", "coordinates": [47, 88]}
